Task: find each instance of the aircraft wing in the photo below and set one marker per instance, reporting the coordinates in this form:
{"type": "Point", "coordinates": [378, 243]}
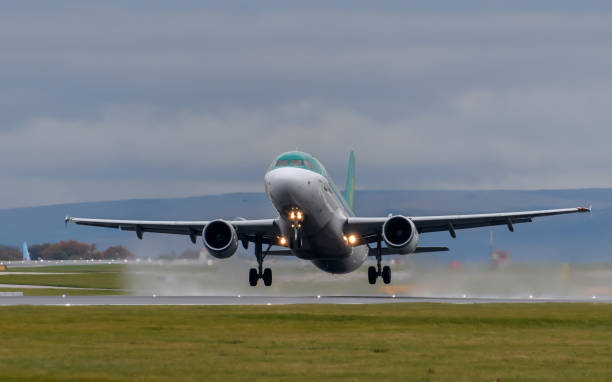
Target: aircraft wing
{"type": "Point", "coordinates": [369, 228]}
{"type": "Point", "coordinates": [245, 229]}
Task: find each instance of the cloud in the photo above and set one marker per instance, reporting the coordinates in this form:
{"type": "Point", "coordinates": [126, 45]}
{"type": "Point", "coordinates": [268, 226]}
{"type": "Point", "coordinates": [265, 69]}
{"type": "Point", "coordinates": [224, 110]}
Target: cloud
{"type": "Point", "coordinates": [115, 101]}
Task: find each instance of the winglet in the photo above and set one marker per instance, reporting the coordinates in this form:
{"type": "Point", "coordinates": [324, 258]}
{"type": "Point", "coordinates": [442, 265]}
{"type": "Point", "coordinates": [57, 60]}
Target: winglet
{"type": "Point", "coordinates": [584, 209]}
{"type": "Point", "coordinates": [67, 220]}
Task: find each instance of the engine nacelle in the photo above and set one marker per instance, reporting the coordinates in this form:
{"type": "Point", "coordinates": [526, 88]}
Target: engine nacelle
{"type": "Point", "coordinates": [220, 239]}
{"type": "Point", "coordinates": [400, 233]}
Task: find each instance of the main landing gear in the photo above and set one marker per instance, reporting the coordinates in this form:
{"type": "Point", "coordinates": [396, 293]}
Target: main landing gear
{"type": "Point", "coordinates": [260, 273]}
{"type": "Point", "coordinates": [378, 271]}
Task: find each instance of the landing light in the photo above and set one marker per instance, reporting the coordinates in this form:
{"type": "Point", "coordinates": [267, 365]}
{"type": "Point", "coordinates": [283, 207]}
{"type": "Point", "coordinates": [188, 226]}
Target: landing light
{"type": "Point", "coordinates": [352, 239]}
{"type": "Point", "coordinates": [295, 215]}
{"type": "Point", "coordinates": [282, 241]}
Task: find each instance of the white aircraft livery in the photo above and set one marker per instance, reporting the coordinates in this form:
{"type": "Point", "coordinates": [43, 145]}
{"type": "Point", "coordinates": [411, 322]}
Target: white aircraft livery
{"type": "Point", "coordinates": [315, 222]}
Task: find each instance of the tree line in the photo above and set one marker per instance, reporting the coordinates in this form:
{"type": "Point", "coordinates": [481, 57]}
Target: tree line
{"type": "Point", "coordinates": [66, 250]}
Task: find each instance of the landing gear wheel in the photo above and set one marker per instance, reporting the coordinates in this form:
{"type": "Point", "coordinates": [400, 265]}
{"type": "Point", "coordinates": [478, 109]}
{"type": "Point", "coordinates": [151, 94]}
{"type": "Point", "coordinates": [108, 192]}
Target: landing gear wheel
{"type": "Point", "coordinates": [253, 277]}
{"type": "Point", "coordinates": [372, 275]}
{"type": "Point", "coordinates": [386, 274]}
{"type": "Point", "coordinates": [267, 277]}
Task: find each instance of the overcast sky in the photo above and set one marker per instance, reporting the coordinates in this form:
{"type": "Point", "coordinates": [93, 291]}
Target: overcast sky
{"type": "Point", "coordinates": [115, 100]}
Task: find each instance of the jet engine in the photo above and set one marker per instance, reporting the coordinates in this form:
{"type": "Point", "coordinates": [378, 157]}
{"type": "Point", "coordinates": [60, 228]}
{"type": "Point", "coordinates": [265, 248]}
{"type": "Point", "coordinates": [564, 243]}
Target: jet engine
{"type": "Point", "coordinates": [220, 239]}
{"type": "Point", "coordinates": [400, 233]}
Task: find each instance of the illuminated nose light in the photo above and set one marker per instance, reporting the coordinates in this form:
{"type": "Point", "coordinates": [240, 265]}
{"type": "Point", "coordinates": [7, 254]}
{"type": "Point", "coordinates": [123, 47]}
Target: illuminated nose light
{"type": "Point", "coordinates": [295, 215]}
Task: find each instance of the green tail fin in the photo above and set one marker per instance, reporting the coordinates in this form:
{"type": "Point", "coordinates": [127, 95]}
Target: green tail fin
{"type": "Point", "coordinates": [350, 181]}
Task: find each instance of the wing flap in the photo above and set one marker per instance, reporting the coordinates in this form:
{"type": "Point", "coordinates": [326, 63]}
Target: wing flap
{"type": "Point", "coordinates": [444, 225]}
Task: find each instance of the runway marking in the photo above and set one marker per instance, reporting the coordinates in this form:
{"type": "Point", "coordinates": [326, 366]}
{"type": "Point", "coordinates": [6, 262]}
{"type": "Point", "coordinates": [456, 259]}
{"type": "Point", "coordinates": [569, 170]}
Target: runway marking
{"type": "Point", "coordinates": [268, 300]}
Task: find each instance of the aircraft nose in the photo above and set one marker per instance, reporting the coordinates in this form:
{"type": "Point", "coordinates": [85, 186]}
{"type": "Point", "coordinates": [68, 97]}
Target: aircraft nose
{"type": "Point", "coordinates": [281, 181]}
{"type": "Point", "coordinates": [286, 186]}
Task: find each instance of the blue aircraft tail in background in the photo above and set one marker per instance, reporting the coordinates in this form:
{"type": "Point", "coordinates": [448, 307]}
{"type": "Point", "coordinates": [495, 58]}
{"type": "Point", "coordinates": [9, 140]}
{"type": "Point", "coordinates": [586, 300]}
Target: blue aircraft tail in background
{"type": "Point", "coordinates": [26, 253]}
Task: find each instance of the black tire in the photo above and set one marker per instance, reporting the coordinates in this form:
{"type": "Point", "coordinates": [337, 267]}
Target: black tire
{"type": "Point", "coordinates": [253, 277]}
{"type": "Point", "coordinates": [386, 274]}
{"type": "Point", "coordinates": [372, 275]}
{"type": "Point", "coordinates": [267, 277]}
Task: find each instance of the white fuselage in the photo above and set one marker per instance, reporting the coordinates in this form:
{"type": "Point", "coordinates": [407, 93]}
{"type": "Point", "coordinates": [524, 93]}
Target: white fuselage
{"type": "Point", "coordinates": [324, 217]}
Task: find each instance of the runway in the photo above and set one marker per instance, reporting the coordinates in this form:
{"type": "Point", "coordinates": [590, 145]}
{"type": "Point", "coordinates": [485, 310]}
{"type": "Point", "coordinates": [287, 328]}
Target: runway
{"type": "Point", "coordinates": [266, 300]}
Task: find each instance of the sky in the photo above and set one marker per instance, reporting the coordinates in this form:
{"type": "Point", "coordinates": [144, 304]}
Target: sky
{"type": "Point", "coordinates": [117, 100]}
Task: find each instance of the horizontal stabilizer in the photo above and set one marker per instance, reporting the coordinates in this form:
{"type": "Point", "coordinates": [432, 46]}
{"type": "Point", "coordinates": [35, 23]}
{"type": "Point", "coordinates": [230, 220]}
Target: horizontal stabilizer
{"type": "Point", "coordinates": [280, 252]}
{"type": "Point", "coordinates": [431, 249]}
{"type": "Point", "coordinates": [393, 251]}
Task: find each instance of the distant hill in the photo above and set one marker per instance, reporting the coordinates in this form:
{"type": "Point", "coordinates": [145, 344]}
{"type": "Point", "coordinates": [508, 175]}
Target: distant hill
{"type": "Point", "coordinates": [566, 238]}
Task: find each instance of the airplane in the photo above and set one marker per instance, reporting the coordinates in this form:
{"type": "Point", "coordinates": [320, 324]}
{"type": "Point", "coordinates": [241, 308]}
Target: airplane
{"type": "Point", "coordinates": [316, 222]}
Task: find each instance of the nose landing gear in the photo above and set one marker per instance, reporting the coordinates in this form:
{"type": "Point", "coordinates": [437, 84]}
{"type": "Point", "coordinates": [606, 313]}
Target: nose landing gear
{"type": "Point", "coordinates": [378, 271]}
{"type": "Point", "coordinates": [296, 217]}
{"type": "Point", "coordinates": [260, 272]}
{"type": "Point", "coordinates": [295, 241]}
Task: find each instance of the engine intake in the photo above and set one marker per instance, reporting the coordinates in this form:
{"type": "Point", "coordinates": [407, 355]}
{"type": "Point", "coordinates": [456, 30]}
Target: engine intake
{"type": "Point", "coordinates": [400, 232]}
{"type": "Point", "coordinates": [220, 239]}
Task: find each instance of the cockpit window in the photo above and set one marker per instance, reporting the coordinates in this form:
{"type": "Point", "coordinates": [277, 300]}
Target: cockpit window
{"type": "Point", "coordinates": [298, 160]}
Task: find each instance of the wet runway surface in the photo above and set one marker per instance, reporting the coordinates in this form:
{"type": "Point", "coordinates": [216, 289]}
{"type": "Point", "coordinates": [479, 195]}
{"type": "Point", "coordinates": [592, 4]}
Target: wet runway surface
{"type": "Point", "coordinates": [264, 300]}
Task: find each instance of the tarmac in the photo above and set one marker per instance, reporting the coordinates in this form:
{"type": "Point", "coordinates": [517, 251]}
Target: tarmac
{"type": "Point", "coordinates": [265, 300]}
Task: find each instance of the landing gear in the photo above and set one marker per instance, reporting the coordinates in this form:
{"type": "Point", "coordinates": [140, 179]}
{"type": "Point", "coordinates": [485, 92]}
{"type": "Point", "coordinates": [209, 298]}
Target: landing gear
{"type": "Point", "coordinates": [253, 277]}
{"type": "Point", "coordinates": [260, 273]}
{"type": "Point", "coordinates": [267, 277]}
{"type": "Point", "coordinates": [379, 271]}
{"type": "Point", "coordinates": [296, 238]}
{"type": "Point", "coordinates": [386, 274]}
{"type": "Point", "coordinates": [296, 217]}
{"type": "Point", "coordinates": [372, 275]}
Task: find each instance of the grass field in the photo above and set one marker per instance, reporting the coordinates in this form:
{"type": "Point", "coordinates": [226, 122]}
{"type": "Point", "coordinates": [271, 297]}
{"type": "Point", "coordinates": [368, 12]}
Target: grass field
{"type": "Point", "coordinates": [101, 276]}
{"type": "Point", "coordinates": [398, 342]}
{"type": "Point", "coordinates": [79, 280]}
{"type": "Point", "coordinates": [89, 268]}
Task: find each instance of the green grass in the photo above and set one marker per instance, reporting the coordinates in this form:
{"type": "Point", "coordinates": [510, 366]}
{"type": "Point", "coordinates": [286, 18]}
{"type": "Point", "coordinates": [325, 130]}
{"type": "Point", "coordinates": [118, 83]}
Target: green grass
{"type": "Point", "coordinates": [59, 292]}
{"type": "Point", "coordinates": [105, 276]}
{"type": "Point", "coordinates": [397, 342]}
{"type": "Point", "coordinates": [93, 268]}
{"type": "Point", "coordinates": [104, 280]}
